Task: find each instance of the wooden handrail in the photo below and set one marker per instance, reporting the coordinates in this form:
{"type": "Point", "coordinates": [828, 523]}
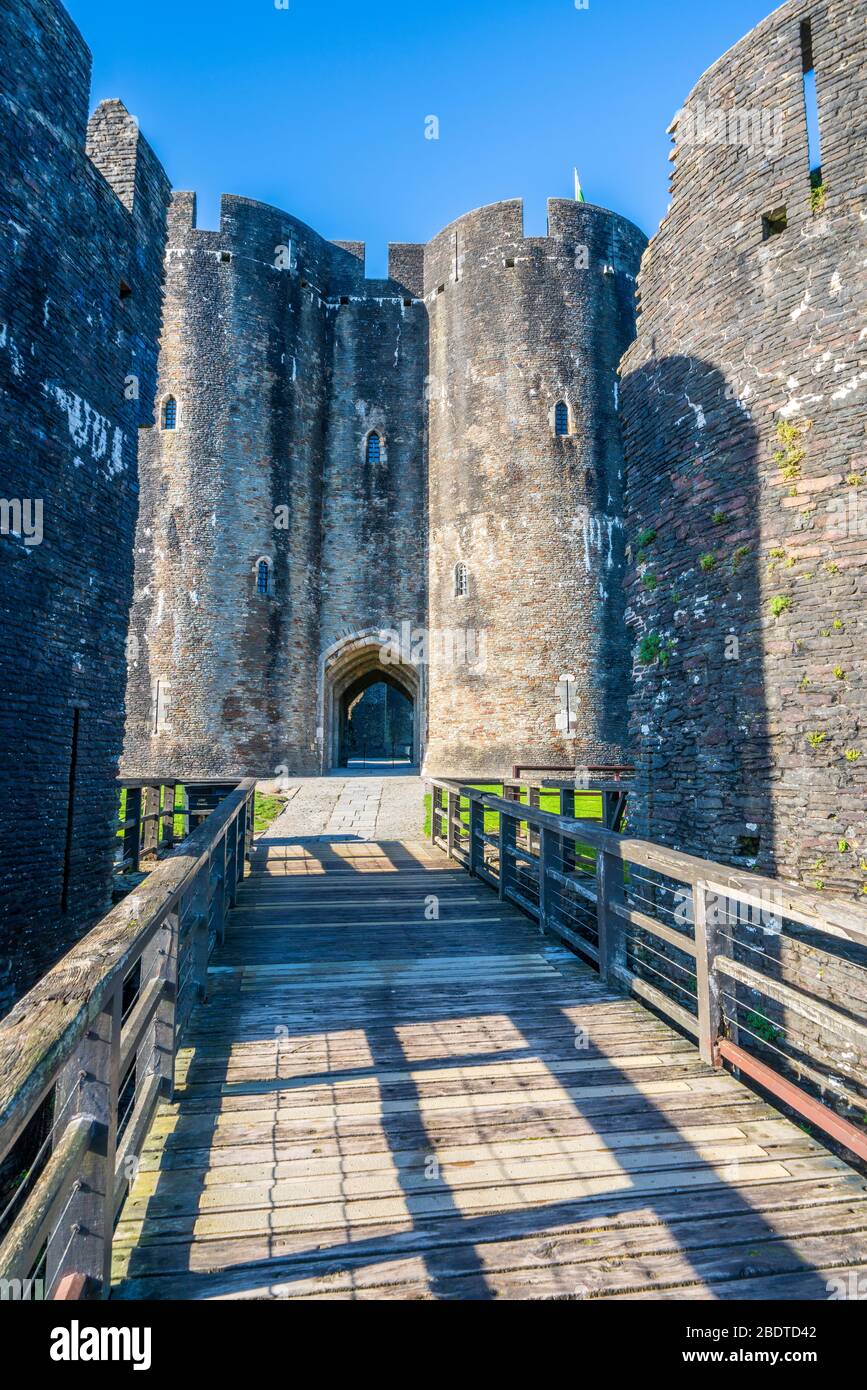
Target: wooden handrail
{"type": "Point", "coordinates": [524, 871]}
{"type": "Point", "coordinates": [21, 1246]}
{"type": "Point", "coordinates": [829, 915]}
{"type": "Point", "coordinates": [67, 1036]}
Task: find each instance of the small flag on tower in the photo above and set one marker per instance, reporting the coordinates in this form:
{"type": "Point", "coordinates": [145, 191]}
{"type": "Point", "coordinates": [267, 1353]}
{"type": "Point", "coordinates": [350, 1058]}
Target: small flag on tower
{"type": "Point", "coordinates": [579, 191]}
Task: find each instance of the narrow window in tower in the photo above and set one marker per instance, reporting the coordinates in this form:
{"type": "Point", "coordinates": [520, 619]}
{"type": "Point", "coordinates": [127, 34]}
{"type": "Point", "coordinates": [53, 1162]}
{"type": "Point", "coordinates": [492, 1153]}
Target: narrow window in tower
{"type": "Point", "coordinates": [160, 706]}
{"type": "Point", "coordinates": [811, 111]}
{"type": "Point", "coordinates": [170, 413]}
{"type": "Point", "coordinates": [70, 812]}
{"type": "Point", "coordinates": [374, 449]}
{"type": "Point", "coordinates": [462, 581]}
{"type": "Point", "coordinates": [561, 418]}
{"type": "Point", "coordinates": [263, 577]}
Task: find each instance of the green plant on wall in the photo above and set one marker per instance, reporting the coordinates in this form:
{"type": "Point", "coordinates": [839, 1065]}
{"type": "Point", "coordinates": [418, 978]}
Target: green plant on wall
{"type": "Point", "coordinates": [790, 454]}
{"type": "Point", "coordinates": [649, 648]}
{"type": "Point", "coordinates": [780, 603]}
{"type": "Point", "coordinates": [816, 739]}
{"type": "Point", "coordinates": [707, 561]}
{"type": "Point", "coordinates": [652, 648]}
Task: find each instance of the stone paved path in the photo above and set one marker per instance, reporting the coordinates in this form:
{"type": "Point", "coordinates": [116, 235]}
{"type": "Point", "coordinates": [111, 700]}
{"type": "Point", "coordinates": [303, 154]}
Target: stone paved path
{"type": "Point", "coordinates": [355, 806]}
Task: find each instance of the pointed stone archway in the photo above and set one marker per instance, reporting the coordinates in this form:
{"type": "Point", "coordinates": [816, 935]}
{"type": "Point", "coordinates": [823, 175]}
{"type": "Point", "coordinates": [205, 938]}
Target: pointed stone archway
{"type": "Point", "coordinates": [349, 667]}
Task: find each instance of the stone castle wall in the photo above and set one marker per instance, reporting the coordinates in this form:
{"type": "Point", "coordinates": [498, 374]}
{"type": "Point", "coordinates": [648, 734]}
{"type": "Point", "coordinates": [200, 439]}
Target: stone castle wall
{"type": "Point", "coordinates": [282, 358]}
{"type": "Point", "coordinates": [81, 246]}
{"type": "Point", "coordinates": [744, 426]}
{"type": "Point", "coordinates": [517, 325]}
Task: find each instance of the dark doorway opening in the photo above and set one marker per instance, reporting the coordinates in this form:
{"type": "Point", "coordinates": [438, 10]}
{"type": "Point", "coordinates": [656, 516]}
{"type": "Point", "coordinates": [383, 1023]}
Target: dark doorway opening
{"type": "Point", "coordinates": [376, 722]}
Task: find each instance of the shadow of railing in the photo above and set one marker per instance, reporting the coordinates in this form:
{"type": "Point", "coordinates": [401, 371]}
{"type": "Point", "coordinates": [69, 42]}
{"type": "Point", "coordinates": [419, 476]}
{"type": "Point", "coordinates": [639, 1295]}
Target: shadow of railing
{"type": "Point", "coordinates": [437, 1241]}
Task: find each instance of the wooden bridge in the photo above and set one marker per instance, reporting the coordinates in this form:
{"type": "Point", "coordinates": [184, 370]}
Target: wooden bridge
{"type": "Point", "coordinates": [362, 1071]}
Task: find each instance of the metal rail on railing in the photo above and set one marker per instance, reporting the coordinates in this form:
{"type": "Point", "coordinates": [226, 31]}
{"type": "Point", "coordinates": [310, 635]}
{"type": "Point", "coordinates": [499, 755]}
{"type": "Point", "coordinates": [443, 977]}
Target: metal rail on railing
{"type": "Point", "coordinates": [764, 975]}
{"type": "Point", "coordinates": [86, 1055]}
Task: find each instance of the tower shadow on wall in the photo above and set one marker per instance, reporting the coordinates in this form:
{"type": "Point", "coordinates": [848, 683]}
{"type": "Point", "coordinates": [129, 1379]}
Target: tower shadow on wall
{"type": "Point", "coordinates": [701, 716]}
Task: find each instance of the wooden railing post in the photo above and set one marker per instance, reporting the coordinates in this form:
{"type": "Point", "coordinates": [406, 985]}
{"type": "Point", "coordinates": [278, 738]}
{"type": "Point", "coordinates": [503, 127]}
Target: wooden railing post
{"type": "Point", "coordinates": [132, 834]}
{"type": "Point", "coordinates": [452, 806]}
{"type": "Point", "coordinates": [612, 936]}
{"type": "Point", "coordinates": [477, 830]}
{"type": "Point", "coordinates": [240, 847]}
{"type": "Point", "coordinates": [160, 962]}
{"type": "Point", "coordinates": [169, 820]}
{"type": "Point", "coordinates": [199, 933]}
{"type": "Point", "coordinates": [533, 837]}
{"type": "Point", "coordinates": [549, 842]}
{"type": "Point", "coordinates": [242, 842]}
{"type": "Point", "coordinates": [250, 824]}
{"type": "Point", "coordinates": [231, 841]}
{"type": "Point", "coordinates": [151, 828]}
{"type": "Point", "coordinates": [707, 948]}
{"type": "Point", "coordinates": [88, 1086]}
{"type": "Point", "coordinates": [508, 841]}
{"type": "Point", "coordinates": [218, 887]}
{"type": "Point", "coordinates": [567, 808]}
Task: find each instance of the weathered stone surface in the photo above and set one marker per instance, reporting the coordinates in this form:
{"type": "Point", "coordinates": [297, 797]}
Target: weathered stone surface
{"type": "Point", "coordinates": [518, 325]}
{"type": "Point", "coordinates": [744, 422]}
{"type": "Point", "coordinates": [282, 358]}
{"type": "Point", "coordinates": [84, 215]}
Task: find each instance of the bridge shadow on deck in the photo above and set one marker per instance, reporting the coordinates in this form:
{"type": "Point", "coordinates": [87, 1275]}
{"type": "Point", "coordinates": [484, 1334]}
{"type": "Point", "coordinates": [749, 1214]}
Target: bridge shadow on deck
{"type": "Point", "coordinates": [626, 1166]}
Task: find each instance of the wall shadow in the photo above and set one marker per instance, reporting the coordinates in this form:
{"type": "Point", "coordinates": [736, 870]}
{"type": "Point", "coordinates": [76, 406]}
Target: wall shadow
{"type": "Point", "coordinates": [700, 716]}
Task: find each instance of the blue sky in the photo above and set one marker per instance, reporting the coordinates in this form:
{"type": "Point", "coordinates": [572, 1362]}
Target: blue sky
{"type": "Point", "coordinates": [320, 108]}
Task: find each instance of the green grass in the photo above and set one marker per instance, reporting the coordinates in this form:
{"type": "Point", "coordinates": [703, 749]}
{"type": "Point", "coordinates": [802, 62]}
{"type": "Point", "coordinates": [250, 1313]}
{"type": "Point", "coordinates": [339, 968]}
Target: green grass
{"type": "Point", "coordinates": [265, 810]}
{"type": "Point", "coordinates": [180, 820]}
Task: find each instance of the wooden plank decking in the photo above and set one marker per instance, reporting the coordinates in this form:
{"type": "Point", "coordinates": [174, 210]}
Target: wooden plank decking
{"type": "Point", "coordinates": [379, 1104]}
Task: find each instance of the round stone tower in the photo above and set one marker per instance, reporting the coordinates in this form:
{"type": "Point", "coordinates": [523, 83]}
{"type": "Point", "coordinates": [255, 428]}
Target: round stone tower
{"type": "Point", "coordinates": [525, 498]}
{"type": "Point", "coordinates": [283, 492]}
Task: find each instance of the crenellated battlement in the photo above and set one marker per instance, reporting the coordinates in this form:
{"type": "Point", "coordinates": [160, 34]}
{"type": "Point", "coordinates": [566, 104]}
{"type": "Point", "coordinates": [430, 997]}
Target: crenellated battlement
{"type": "Point", "coordinates": [592, 237]}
